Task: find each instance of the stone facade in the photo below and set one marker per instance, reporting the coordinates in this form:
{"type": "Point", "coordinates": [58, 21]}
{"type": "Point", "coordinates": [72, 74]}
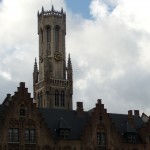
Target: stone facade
{"type": "Point", "coordinates": [52, 83]}
{"type": "Point", "coordinates": [48, 121]}
{"type": "Point", "coordinates": [23, 126]}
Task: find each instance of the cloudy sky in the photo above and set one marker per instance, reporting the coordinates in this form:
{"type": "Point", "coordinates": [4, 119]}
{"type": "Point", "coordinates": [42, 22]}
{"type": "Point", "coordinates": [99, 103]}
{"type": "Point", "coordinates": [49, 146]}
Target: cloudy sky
{"type": "Point", "coordinates": [109, 42]}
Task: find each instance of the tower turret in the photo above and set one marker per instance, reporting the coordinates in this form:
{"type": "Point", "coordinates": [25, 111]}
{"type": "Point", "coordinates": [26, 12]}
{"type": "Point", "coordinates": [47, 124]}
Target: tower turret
{"type": "Point", "coordinates": [35, 72]}
{"type": "Point", "coordinates": [53, 88]}
{"type": "Point", "coordinates": [70, 75]}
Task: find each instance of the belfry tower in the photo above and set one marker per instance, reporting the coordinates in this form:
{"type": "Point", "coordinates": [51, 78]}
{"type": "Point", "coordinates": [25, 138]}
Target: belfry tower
{"type": "Point", "coordinates": [53, 82]}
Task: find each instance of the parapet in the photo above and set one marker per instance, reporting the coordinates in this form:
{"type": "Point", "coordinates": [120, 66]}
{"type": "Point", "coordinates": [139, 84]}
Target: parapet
{"type": "Point", "coordinates": [51, 12]}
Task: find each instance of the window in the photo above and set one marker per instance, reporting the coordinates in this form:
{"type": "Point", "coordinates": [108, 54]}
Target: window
{"type": "Point", "coordinates": [22, 111]}
{"type": "Point", "coordinates": [48, 34]}
{"type": "Point", "coordinates": [57, 28]}
{"type": "Point", "coordinates": [30, 135]}
{"type": "Point", "coordinates": [41, 36]}
{"type": "Point", "coordinates": [64, 133]}
{"type": "Point", "coordinates": [50, 66]}
{"type": "Point", "coordinates": [62, 99]}
{"type": "Point", "coordinates": [56, 98]}
{"type": "Point", "coordinates": [131, 138]}
{"type": "Point", "coordinates": [100, 118]}
{"type": "Point", "coordinates": [101, 139]}
{"type": "Point", "coordinates": [13, 135]}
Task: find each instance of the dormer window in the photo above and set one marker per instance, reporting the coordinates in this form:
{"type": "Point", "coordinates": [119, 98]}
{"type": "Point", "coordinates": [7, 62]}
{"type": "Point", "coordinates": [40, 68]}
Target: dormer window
{"type": "Point", "coordinates": [22, 111]}
{"type": "Point", "coordinates": [63, 129]}
{"type": "Point", "coordinates": [131, 138]}
{"type": "Point", "coordinates": [64, 133]}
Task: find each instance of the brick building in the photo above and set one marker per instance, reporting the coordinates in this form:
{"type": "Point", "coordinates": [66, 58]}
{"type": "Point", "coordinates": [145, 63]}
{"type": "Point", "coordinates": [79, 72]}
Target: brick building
{"type": "Point", "coordinates": [48, 122]}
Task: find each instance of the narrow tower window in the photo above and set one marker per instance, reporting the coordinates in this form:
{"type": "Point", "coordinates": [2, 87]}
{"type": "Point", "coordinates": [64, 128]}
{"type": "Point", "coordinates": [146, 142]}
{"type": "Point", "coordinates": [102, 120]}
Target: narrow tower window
{"type": "Point", "coordinates": [56, 98]}
{"type": "Point", "coordinates": [41, 36]}
{"type": "Point", "coordinates": [62, 99]}
{"type": "Point", "coordinates": [48, 31]}
{"type": "Point", "coordinates": [50, 66]}
{"type": "Point", "coordinates": [40, 100]}
{"type": "Point", "coordinates": [57, 29]}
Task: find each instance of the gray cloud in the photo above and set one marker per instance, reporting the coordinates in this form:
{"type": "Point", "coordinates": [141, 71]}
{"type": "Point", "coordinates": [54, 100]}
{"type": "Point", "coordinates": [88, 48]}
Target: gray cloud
{"type": "Point", "coordinates": [110, 53]}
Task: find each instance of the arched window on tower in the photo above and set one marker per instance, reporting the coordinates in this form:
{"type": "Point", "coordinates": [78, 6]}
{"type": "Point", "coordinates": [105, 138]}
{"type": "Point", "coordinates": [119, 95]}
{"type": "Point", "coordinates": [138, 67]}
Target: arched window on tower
{"type": "Point", "coordinates": [56, 98]}
{"type": "Point", "coordinates": [50, 66]}
{"type": "Point", "coordinates": [57, 38]}
{"type": "Point", "coordinates": [48, 31]}
{"type": "Point", "coordinates": [48, 36]}
{"type": "Point", "coordinates": [41, 32]}
{"type": "Point", "coordinates": [62, 99]}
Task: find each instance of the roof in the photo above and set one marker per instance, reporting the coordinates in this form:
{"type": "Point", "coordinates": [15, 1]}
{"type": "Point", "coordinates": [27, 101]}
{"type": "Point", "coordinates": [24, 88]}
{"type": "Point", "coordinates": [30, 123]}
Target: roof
{"type": "Point", "coordinates": [121, 122]}
{"type": "Point", "coordinates": [68, 119]}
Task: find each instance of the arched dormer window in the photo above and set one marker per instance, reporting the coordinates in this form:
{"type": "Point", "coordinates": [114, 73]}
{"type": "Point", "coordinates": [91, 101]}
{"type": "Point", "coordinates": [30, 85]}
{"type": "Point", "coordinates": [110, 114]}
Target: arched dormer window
{"type": "Point", "coordinates": [56, 98]}
{"type": "Point", "coordinates": [101, 137]}
{"type": "Point", "coordinates": [57, 38]}
{"type": "Point", "coordinates": [62, 99]}
{"type": "Point", "coordinates": [22, 110]}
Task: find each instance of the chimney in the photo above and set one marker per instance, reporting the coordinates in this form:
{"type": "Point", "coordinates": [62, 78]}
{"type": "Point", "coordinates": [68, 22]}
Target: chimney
{"type": "Point", "coordinates": [131, 120]}
{"type": "Point", "coordinates": [136, 113]}
{"type": "Point", "coordinates": [130, 113]}
{"type": "Point", "coordinates": [80, 108]}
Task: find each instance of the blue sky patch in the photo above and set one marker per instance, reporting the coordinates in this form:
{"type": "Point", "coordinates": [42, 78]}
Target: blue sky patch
{"type": "Point", "coordinates": [79, 7]}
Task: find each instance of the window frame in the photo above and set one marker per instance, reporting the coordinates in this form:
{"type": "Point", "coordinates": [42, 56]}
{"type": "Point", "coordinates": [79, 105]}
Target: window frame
{"type": "Point", "coordinates": [30, 136]}
{"type": "Point", "coordinates": [13, 136]}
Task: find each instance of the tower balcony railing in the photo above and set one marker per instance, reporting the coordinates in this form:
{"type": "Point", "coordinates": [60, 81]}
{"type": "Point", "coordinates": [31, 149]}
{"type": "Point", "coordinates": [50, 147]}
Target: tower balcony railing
{"type": "Point", "coordinates": [60, 82]}
{"type": "Point", "coordinates": [49, 13]}
{"type": "Point", "coordinates": [53, 82]}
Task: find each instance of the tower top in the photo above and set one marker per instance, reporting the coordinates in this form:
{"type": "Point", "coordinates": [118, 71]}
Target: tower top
{"type": "Point", "coordinates": [51, 12]}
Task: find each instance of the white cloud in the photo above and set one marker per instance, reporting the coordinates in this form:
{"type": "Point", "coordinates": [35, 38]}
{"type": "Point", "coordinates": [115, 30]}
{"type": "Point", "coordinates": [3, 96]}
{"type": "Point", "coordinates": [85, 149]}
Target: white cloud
{"type": "Point", "coordinates": [114, 44]}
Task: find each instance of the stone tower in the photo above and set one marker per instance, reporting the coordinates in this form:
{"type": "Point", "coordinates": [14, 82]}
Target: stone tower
{"type": "Point", "coordinates": [53, 82]}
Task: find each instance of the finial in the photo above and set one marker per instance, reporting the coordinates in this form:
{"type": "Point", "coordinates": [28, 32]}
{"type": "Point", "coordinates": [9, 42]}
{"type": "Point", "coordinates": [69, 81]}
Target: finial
{"type": "Point", "coordinates": [52, 8]}
{"type": "Point", "coordinates": [62, 10]}
{"type": "Point", "coordinates": [38, 13]}
{"type": "Point", "coordinates": [35, 59]}
{"type": "Point", "coordinates": [42, 9]}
